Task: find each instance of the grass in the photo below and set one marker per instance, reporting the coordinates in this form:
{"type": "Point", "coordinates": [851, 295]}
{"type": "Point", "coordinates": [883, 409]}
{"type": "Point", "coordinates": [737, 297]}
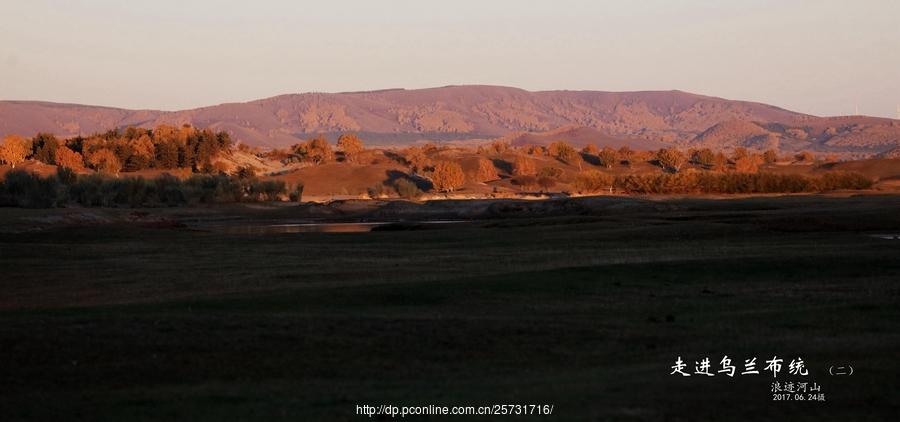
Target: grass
{"type": "Point", "coordinates": [586, 312]}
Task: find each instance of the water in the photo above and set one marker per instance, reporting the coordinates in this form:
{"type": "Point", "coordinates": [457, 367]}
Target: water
{"type": "Point", "coordinates": [895, 236]}
{"type": "Point", "coordinates": [256, 229]}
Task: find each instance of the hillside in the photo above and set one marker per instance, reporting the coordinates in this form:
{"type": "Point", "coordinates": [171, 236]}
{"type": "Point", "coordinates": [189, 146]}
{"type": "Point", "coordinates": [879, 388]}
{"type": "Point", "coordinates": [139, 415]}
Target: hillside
{"type": "Point", "coordinates": [483, 112]}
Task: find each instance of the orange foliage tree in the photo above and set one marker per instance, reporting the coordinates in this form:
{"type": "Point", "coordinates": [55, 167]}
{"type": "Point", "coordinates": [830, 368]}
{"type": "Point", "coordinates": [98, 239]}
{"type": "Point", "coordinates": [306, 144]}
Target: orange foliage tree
{"type": "Point", "coordinates": [748, 163]}
{"type": "Point", "coordinates": [14, 150]}
{"type": "Point", "coordinates": [590, 181]}
{"type": "Point", "coordinates": [317, 150]}
{"type": "Point", "coordinates": [671, 159]}
{"type": "Point", "coordinates": [608, 157]}
{"type": "Point", "coordinates": [67, 158]}
{"type": "Point", "coordinates": [448, 176]}
{"type": "Point", "coordinates": [351, 145]}
{"type": "Point", "coordinates": [524, 166]}
{"type": "Point", "coordinates": [562, 151]}
{"type": "Point", "coordinates": [104, 161]}
{"type": "Point", "coordinates": [486, 171]}
{"type": "Point", "coordinates": [626, 154]}
{"type": "Point", "coordinates": [416, 159]}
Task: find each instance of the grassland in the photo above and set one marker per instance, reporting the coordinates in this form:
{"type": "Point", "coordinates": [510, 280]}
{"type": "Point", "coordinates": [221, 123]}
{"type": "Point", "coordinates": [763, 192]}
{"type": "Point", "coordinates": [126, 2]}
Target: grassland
{"type": "Point", "coordinates": [585, 308]}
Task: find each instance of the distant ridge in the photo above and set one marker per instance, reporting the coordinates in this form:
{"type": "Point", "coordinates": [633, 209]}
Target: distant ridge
{"type": "Point", "coordinates": [463, 112]}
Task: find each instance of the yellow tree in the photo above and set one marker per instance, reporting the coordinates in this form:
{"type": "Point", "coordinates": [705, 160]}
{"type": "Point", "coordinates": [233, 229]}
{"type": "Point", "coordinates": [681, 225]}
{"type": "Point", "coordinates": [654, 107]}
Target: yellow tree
{"type": "Point", "coordinates": [486, 171]}
{"type": "Point", "coordinates": [14, 150]}
{"type": "Point", "coordinates": [416, 158]}
{"type": "Point", "coordinates": [144, 147]}
{"type": "Point", "coordinates": [67, 158]}
{"type": "Point", "coordinates": [317, 150]}
{"type": "Point", "coordinates": [608, 157]}
{"type": "Point", "coordinates": [748, 163]}
{"type": "Point", "coordinates": [104, 161]}
{"type": "Point", "coordinates": [671, 159]}
{"type": "Point", "coordinates": [591, 181]}
{"type": "Point", "coordinates": [524, 166]}
{"type": "Point", "coordinates": [351, 145]}
{"type": "Point", "coordinates": [626, 154]}
{"type": "Point", "coordinates": [562, 151]}
{"type": "Point", "coordinates": [448, 176]}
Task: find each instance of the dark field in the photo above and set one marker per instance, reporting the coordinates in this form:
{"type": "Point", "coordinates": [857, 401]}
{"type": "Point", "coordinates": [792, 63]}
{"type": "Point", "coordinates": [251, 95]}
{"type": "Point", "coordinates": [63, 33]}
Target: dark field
{"type": "Point", "coordinates": [585, 308]}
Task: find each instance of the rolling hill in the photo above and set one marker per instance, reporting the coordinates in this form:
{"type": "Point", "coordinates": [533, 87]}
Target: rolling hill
{"type": "Point", "coordinates": [400, 116]}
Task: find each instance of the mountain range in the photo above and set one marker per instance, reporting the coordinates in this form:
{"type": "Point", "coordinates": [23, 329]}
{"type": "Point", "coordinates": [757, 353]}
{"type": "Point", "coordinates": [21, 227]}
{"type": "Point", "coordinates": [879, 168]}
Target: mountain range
{"type": "Point", "coordinates": [644, 119]}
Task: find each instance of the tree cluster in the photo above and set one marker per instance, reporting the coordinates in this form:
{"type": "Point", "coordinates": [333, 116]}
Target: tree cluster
{"type": "Point", "coordinates": [131, 149]}
{"type": "Point", "coordinates": [24, 189]}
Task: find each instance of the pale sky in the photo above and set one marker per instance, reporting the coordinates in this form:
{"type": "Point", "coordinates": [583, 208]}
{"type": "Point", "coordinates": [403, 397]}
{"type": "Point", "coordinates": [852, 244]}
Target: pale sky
{"type": "Point", "coordinates": [823, 57]}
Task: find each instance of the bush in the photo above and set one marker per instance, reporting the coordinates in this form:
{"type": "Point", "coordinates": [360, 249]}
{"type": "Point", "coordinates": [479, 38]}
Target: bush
{"type": "Point", "coordinates": [550, 172]}
{"type": "Point", "coordinates": [525, 181]}
{"type": "Point", "coordinates": [376, 191]}
{"type": "Point", "coordinates": [407, 189]}
{"type": "Point", "coordinates": [590, 181]}
{"type": "Point", "coordinates": [29, 190]}
{"type": "Point", "coordinates": [739, 183]}
{"type": "Point", "coordinates": [546, 182]}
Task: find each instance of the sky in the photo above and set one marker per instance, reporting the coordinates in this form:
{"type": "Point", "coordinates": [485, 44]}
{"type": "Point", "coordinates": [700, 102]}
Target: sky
{"type": "Point", "coordinates": [822, 57]}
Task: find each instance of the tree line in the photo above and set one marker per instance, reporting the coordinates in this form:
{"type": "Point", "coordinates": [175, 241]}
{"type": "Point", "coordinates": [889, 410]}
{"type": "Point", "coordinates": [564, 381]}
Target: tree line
{"type": "Point", "coordinates": [593, 181]}
{"type": "Point", "coordinates": [131, 149]}
{"type": "Point", "coordinates": [23, 189]}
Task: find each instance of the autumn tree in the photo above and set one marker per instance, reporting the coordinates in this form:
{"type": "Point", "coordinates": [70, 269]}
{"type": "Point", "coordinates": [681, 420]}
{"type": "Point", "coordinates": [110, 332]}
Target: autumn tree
{"type": "Point", "coordinates": [499, 146]}
{"type": "Point", "coordinates": [626, 154]}
{"type": "Point", "coordinates": [523, 166]}
{"type": "Point", "coordinates": [748, 163]}
{"type": "Point", "coordinates": [562, 151]}
{"type": "Point", "coordinates": [14, 149]}
{"type": "Point", "coordinates": [590, 181]}
{"type": "Point", "coordinates": [448, 176]}
{"type": "Point", "coordinates": [739, 153]}
{"type": "Point", "coordinates": [104, 161]}
{"type": "Point", "coordinates": [590, 149]}
{"type": "Point", "coordinates": [67, 158]}
{"type": "Point", "coordinates": [550, 172]}
{"type": "Point", "coordinates": [671, 159]}
{"type": "Point", "coordinates": [351, 145]}
{"type": "Point", "coordinates": [720, 162]}
{"type": "Point", "coordinates": [704, 157]}
{"type": "Point", "coordinates": [536, 150]}
{"type": "Point", "coordinates": [141, 153]}
{"type": "Point", "coordinates": [607, 157]}
{"type": "Point", "coordinates": [416, 159]}
{"type": "Point", "coordinates": [166, 154]}
{"type": "Point", "coordinates": [486, 171]}
{"type": "Point", "coordinates": [317, 150]}
{"type": "Point", "coordinates": [770, 156]}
